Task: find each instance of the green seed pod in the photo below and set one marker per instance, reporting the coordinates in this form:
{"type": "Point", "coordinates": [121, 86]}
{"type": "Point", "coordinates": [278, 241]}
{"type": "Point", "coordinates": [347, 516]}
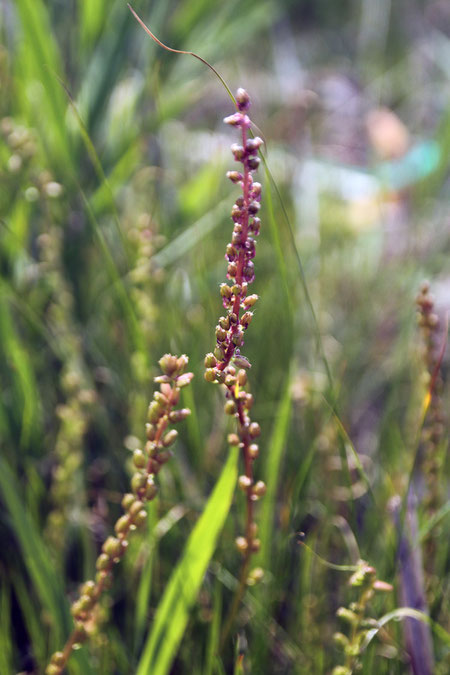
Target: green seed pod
{"type": "Point", "coordinates": [127, 501]}
{"type": "Point", "coordinates": [122, 525]}
{"type": "Point", "coordinates": [221, 335]}
{"type": "Point", "coordinates": [53, 669]}
{"type": "Point", "coordinates": [230, 407]}
{"type": "Point", "coordinates": [136, 507]}
{"type": "Point", "coordinates": [219, 352]}
{"type": "Point", "coordinates": [112, 547]}
{"type": "Point", "coordinates": [210, 360]}
{"type": "Point", "coordinates": [138, 481]}
{"type": "Point", "coordinates": [139, 459]}
{"type": "Point", "coordinates": [254, 429]}
{"type": "Point", "coordinates": [236, 289]}
{"type": "Point", "coordinates": [340, 639]}
{"type": "Point", "coordinates": [233, 318]}
{"type": "Point", "coordinates": [102, 562]}
{"type": "Point", "coordinates": [154, 412]}
{"type": "Point", "coordinates": [150, 431]}
{"type": "Point", "coordinates": [85, 602]}
{"type": "Point", "coordinates": [225, 291]}
{"type": "Point", "coordinates": [220, 376]}
{"type": "Point", "coordinates": [210, 375]}
{"type": "Point", "coordinates": [160, 398]}
{"type": "Point", "coordinates": [88, 588]}
{"type": "Point", "coordinates": [233, 439]}
{"type": "Point", "coordinates": [168, 364]}
{"type": "Point", "coordinates": [150, 489]}
{"type": "Point", "coordinates": [140, 518]}
{"type": "Point", "coordinates": [347, 615]}
{"type": "Point", "coordinates": [58, 659]}
{"type": "Point", "coordinates": [224, 322]}
{"type": "Point", "coordinates": [230, 381]}
{"type": "Point", "coordinates": [170, 438]}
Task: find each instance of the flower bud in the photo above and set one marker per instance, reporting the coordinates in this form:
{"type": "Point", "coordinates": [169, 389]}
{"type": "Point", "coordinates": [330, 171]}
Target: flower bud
{"type": "Point", "coordinates": [260, 488]}
{"type": "Point", "coordinates": [127, 500]}
{"type": "Point", "coordinates": [87, 588]}
{"type": "Point", "coordinates": [168, 364]}
{"type": "Point", "coordinates": [140, 517]}
{"type": "Point", "coordinates": [136, 507]}
{"type": "Point", "coordinates": [246, 319]}
{"type": "Point", "coordinates": [253, 450]}
{"type": "Point", "coordinates": [233, 439]}
{"type": "Point", "coordinates": [210, 375]}
{"type": "Point", "coordinates": [154, 412]}
{"type": "Point", "coordinates": [219, 353]}
{"type": "Point", "coordinates": [244, 482]}
{"type": "Point", "coordinates": [241, 544]}
{"type": "Point", "coordinates": [234, 120]}
{"type": "Point", "coordinates": [256, 545]}
{"type": "Point", "coordinates": [122, 525]}
{"type": "Point", "coordinates": [234, 176]}
{"type": "Point", "coordinates": [238, 151]}
{"type": "Point", "coordinates": [112, 547]}
{"type": "Point", "coordinates": [224, 322]}
{"type": "Point", "coordinates": [150, 431]}
{"type": "Point", "coordinates": [253, 144]}
{"type": "Point", "coordinates": [254, 429]}
{"type": "Point", "coordinates": [163, 456]}
{"type": "Point", "coordinates": [230, 407]}
{"type": "Point", "coordinates": [225, 291]}
{"type": "Point", "coordinates": [160, 398]}
{"type": "Point", "coordinates": [253, 163]}
{"type": "Point", "coordinates": [210, 360]}
{"type": "Point", "coordinates": [58, 659]}
{"type": "Point", "coordinates": [179, 415]}
{"type": "Point", "coordinates": [250, 300]}
{"type": "Point", "coordinates": [150, 489]}
{"type": "Point", "coordinates": [242, 378]}
{"type": "Point", "coordinates": [102, 562]}
{"type": "Point", "coordinates": [138, 482]}
{"type": "Point", "coordinates": [139, 459]}
{"type": "Point", "coordinates": [242, 99]}
{"type": "Point", "coordinates": [170, 438]}
{"type": "Point", "coordinates": [184, 380]}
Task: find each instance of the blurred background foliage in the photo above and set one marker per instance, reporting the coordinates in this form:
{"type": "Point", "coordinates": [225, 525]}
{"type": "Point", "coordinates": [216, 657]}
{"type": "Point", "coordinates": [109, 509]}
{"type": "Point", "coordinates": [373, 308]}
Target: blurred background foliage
{"type": "Point", "coordinates": [114, 217]}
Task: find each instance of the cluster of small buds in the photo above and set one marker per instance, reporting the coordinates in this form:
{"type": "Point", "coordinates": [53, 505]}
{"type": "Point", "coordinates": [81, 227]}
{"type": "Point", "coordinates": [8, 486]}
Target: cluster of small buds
{"type": "Point", "coordinates": [226, 365]}
{"type": "Point", "coordinates": [240, 251]}
{"type": "Point", "coordinates": [434, 426]}
{"type": "Point", "coordinates": [148, 462]}
{"type": "Point", "coordinates": [365, 579]}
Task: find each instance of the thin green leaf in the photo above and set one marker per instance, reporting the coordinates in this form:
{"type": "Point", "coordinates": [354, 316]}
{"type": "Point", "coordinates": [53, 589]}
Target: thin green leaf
{"type": "Point", "coordinates": [180, 594]}
{"type": "Point", "coordinates": [272, 471]}
{"type": "Point", "coordinates": [407, 613]}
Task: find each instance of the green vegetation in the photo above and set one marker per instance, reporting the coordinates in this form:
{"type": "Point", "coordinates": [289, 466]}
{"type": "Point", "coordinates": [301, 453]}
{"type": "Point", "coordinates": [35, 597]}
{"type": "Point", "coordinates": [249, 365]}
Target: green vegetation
{"type": "Point", "coordinates": [114, 220]}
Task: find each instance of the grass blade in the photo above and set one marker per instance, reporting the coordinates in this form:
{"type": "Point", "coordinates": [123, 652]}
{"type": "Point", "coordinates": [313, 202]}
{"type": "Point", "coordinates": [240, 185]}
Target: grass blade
{"type": "Point", "coordinates": [173, 610]}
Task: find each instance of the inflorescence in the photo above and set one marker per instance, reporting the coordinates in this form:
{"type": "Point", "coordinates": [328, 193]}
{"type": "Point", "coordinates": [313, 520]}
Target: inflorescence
{"type": "Point", "coordinates": [162, 412]}
{"type": "Point", "coordinates": [226, 365]}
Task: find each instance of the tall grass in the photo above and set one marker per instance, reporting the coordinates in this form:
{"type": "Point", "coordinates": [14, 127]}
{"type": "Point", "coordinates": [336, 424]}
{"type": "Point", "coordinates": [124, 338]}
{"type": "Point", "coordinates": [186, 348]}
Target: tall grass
{"type": "Point", "coordinates": [114, 217]}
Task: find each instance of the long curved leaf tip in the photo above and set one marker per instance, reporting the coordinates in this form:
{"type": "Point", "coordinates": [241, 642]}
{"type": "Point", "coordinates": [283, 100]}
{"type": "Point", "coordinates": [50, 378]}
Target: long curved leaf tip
{"type": "Point", "coordinates": [181, 51]}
